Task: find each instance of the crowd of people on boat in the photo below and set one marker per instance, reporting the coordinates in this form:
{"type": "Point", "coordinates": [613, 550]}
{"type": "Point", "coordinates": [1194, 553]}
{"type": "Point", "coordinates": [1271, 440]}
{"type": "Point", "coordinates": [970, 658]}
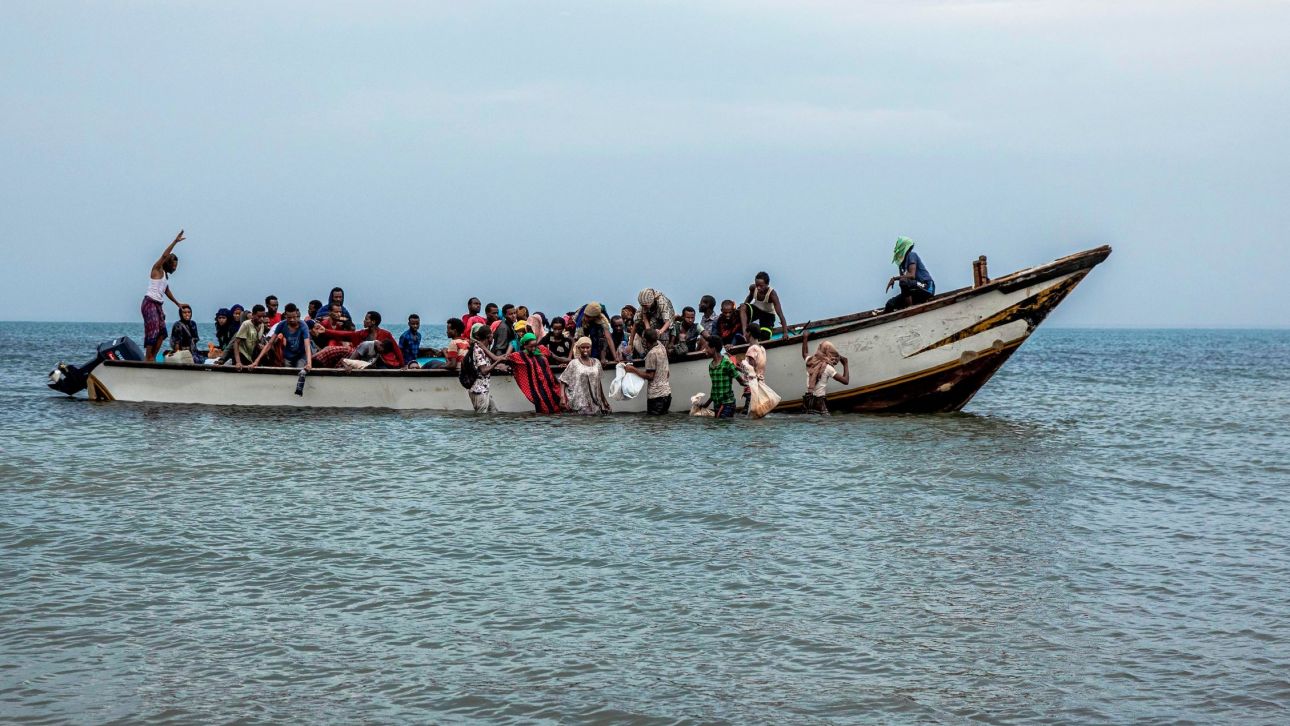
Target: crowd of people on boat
{"type": "Point", "coordinates": [556, 361]}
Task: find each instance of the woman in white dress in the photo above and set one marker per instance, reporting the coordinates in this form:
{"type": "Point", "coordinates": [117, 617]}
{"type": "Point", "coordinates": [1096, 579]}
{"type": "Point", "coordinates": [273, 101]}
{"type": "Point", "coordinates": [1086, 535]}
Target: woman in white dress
{"type": "Point", "coordinates": [582, 381]}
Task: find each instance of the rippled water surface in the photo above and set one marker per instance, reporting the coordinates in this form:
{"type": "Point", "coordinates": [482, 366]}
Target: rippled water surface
{"type": "Point", "coordinates": [1100, 537]}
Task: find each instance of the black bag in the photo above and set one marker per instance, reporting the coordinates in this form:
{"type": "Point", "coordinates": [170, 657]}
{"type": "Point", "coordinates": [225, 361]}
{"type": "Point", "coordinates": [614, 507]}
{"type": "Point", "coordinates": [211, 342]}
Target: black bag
{"type": "Point", "coordinates": [468, 374]}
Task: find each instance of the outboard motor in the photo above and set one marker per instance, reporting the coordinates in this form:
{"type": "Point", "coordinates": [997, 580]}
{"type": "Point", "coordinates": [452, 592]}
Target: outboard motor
{"type": "Point", "coordinates": [72, 379]}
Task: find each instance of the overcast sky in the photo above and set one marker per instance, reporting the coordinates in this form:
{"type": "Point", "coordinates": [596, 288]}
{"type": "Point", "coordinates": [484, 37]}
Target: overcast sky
{"type": "Point", "coordinates": [550, 153]}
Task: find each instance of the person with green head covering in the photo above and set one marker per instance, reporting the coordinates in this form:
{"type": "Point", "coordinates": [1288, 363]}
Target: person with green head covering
{"type": "Point", "coordinates": [531, 365]}
{"type": "Point", "coordinates": [916, 284]}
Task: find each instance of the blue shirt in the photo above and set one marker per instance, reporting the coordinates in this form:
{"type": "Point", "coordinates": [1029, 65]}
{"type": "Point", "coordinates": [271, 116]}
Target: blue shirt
{"type": "Point", "coordinates": [294, 342]}
{"type": "Point", "coordinates": [410, 344]}
{"type": "Point", "coordinates": [922, 275]}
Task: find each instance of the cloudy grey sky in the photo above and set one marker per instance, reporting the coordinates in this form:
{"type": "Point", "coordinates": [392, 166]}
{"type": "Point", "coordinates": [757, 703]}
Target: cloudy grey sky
{"type": "Point", "coordinates": [549, 153]}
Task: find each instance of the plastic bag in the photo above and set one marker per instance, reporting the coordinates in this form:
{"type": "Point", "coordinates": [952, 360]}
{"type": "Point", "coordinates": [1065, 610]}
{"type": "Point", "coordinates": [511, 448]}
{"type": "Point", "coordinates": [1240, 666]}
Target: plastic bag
{"type": "Point", "coordinates": [762, 398]}
{"type": "Point", "coordinates": [354, 364]}
{"type": "Point", "coordinates": [699, 405]}
{"type": "Point", "coordinates": [625, 385]}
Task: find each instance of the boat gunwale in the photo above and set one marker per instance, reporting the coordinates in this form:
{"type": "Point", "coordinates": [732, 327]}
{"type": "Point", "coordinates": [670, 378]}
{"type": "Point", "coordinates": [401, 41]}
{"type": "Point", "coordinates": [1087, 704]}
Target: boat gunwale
{"type": "Point", "coordinates": [839, 325]}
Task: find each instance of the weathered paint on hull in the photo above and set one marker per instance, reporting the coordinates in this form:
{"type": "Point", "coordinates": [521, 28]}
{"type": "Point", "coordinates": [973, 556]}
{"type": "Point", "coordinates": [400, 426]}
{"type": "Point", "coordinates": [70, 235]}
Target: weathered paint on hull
{"type": "Point", "coordinates": [931, 358]}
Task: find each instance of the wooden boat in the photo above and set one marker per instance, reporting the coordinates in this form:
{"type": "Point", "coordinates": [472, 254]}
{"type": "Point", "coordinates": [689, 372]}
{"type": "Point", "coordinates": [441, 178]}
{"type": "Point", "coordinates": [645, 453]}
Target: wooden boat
{"type": "Point", "coordinates": [931, 357]}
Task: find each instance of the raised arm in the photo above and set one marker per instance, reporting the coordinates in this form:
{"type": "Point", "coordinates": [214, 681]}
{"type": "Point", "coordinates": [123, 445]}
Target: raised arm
{"type": "Point", "coordinates": [845, 376]}
{"type": "Point", "coordinates": [156, 266]}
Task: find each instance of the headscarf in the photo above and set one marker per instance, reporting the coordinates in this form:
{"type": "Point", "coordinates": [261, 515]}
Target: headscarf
{"type": "Point", "coordinates": [476, 329]}
{"type": "Point", "coordinates": [591, 317]}
{"type": "Point", "coordinates": [646, 297]}
{"type": "Point", "coordinates": [826, 354]}
{"type": "Point", "coordinates": [584, 340]}
{"type": "Point", "coordinates": [902, 248]}
{"type": "Point", "coordinates": [524, 340]}
{"type": "Point", "coordinates": [520, 325]}
{"type": "Point", "coordinates": [234, 309]}
{"type": "Point", "coordinates": [755, 360]}
{"type": "Point", "coordinates": [224, 333]}
{"type": "Point", "coordinates": [536, 326]}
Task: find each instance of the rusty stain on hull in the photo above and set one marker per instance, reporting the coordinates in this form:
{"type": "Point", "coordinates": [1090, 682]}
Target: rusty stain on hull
{"type": "Point", "coordinates": [1033, 310]}
{"type": "Point", "coordinates": [97, 391]}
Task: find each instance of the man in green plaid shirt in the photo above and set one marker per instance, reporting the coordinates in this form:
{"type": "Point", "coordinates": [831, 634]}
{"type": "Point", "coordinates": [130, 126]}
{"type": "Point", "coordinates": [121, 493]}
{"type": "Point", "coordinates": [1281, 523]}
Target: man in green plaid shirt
{"type": "Point", "coordinates": [723, 372]}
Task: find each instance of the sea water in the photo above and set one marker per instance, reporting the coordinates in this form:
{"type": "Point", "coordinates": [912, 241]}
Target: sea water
{"type": "Point", "coordinates": [1101, 536]}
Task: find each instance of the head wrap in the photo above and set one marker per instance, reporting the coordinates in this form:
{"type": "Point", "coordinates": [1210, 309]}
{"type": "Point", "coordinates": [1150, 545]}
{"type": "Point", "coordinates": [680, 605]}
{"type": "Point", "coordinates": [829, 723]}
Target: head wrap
{"type": "Point", "coordinates": [584, 340]}
{"type": "Point", "coordinates": [903, 246]}
{"type": "Point", "coordinates": [826, 354]}
{"type": "Point", "coordinates": [476, 331]}
{"type": "Point", "coordinates": [235, 308]}
{"type": "Point", "coordinates": [223, 311]}
{"type": "Point", "coordinates": [536, 326]}
{"type": "Point", "coordinates": [521, 325]}
{"type": "Point", "coordinates": [591, 310]}
{"type": "Point", "coordinates": [524, 340]}
{"type": "Point", "coordinates": [646, 297]}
